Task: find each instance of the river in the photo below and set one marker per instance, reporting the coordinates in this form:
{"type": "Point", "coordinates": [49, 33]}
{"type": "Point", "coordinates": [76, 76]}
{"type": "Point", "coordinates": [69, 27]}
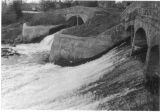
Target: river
{"type": "Point", "coordinates": [29, 82]}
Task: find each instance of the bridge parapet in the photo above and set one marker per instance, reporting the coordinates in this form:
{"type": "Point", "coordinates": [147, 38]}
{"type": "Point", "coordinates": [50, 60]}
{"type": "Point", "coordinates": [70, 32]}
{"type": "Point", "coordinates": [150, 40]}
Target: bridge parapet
{"type": "Point", "coordinates": [154, 23]}
{"type": "Point", "coordinates": [151, 10]}
{"type": "Point", "coordinates": [131, 8]}
{"type": "Point", "coordinates": [149, 13]}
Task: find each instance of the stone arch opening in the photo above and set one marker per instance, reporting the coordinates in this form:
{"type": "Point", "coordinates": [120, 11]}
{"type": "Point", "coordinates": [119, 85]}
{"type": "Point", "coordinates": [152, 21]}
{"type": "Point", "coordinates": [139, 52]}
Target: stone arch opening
{"type": "Point", "coordinates": [140, 38]}
{"type": "Point", "coordinates": [74, 20]}
{"type": "Point", "coordinates": [140, 44]}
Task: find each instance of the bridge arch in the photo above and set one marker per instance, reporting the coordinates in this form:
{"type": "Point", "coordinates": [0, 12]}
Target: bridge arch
{"type": "Point", "coordinates": [152, 56]}
{"type": "Point", "coordinates": [72, 21]}
{"type": "Point", "coordinates": [82, 16]}
{"type": "Point", "coordinates": [140, 39]}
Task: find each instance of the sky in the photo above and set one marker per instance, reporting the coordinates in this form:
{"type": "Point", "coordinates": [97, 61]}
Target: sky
{"type": "Point", "coordinates": [37, 1]}
{"type": "Point", "coordinates": [28, 1]}
{"type": "Point", "coordinates": [23, 0]}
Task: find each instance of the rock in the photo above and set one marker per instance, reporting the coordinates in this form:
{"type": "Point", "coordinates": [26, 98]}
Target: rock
{"type": "Point", "coordinates": [8, 52]}
{"type": "Point", "coordinates": [35, 33]}
{"type": "Point", "coordinates": [19, 39]}
{"type": "Point", "coordinates": [73, 50]}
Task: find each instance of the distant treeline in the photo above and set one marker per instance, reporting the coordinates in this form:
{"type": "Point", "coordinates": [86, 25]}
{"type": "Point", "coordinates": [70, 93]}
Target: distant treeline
{"type": "Point", "coordinates": [12, 12]}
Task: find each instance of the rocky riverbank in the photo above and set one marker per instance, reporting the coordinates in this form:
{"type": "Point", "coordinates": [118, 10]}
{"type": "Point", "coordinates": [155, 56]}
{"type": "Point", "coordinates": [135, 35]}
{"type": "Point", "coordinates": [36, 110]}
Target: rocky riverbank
{"type": "Point", "coordinates": [6, 52]}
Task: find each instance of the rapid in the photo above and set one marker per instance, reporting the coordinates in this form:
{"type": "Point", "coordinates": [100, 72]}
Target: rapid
{"type": "Point", "coordinates": [29, 82]}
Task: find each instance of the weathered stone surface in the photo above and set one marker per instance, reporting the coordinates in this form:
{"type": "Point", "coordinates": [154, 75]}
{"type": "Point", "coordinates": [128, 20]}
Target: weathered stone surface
{"type": "Point", "coordinates": [73, 50]}
{"type": "Point", "coordinates": [31, 33]}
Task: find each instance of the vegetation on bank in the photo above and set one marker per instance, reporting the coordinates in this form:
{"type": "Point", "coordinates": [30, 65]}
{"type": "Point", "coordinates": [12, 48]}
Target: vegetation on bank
{"type": "Point", "coordinates": [11, 13]}
{"type": "Point", "coordinates": [13, 18]}
{"type": "Point", "coordinates": [98, 24]}
{"type": "Point", "coordinates": [47, 18]}
{"type": "Point", "coordinates": [11, 32]}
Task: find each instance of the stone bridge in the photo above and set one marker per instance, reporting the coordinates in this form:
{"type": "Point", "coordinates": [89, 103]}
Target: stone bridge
{"type": "Point", "coordinates": [143, 26]}
{"type": "Point", "coordinates": [84, 13]}
{"type": "Point", "coordinates": [144, 29]}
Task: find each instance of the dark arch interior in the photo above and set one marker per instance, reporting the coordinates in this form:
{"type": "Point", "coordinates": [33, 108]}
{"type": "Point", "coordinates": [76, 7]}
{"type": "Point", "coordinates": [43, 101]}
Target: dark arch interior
{"type": "Point", "coordinates": [140, 38]}
{"type": "Point", "coordinates": [141, 42]}
{"type": "Point", "coordinates": [74, 20]}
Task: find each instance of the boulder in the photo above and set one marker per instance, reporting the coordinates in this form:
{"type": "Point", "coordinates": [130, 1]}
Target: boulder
{"type": "Point", "coordinates": [72, 50]}
{"type": "Point", "coordinates": [19, 39]}
{"type": "Point", "coordinates": [8, 52]}
{"type": "Point", "coordinates": [35, 33]}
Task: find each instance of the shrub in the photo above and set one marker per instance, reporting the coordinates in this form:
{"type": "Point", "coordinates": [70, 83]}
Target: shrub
{"type": "Point", "coordinates": [27, 17]}
{"type": "Point", "coordinates": [17, 9]}
{"type": "Point", "coordinates": [11, 32]}
{"type": "Point", "coordinates": [88, 3]}
{"type": "Point", "coordinates": [8, 18]}
{"type": "Point", "coordinates": [52, 5]}
{"type": "Point", "coordinates": [46, 5]}
{"type": "Point", "coordinates": [11, 13]}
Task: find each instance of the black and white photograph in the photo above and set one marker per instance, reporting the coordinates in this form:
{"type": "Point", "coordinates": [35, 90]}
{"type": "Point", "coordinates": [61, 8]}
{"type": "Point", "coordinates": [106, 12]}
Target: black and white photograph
{"type": "Point", "coordinates": [80, 55]}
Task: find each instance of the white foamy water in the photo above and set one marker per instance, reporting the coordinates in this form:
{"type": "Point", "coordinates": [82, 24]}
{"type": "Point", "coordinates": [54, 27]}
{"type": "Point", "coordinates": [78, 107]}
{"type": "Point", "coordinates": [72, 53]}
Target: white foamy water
{"type": "Point", "coordinates": [26, 84]}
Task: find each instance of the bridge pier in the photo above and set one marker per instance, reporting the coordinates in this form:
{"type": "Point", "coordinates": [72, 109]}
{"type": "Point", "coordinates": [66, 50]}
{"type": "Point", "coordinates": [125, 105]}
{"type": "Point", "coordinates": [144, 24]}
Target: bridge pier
{"type": "Point", "coordinates": [148, 55]}
{"type": "Point", "coordinates": [159, 52]}
{"type": "Point", "coordinates": [132, 42]}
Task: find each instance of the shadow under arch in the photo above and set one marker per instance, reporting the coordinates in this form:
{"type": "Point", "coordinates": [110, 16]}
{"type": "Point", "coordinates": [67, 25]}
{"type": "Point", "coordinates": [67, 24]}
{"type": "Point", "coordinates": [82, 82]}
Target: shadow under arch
{"type": "Point", "coordinates": [74, 20]}
{"type": "Point", "coordinates": [140, 42]}
{"type": "Point", "coordinates": [140, 39]}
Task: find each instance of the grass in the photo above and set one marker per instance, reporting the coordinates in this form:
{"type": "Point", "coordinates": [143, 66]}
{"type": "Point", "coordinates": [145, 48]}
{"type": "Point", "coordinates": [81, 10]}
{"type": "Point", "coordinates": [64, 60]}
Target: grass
{"type": "Point", "coordinates": [47, 18]}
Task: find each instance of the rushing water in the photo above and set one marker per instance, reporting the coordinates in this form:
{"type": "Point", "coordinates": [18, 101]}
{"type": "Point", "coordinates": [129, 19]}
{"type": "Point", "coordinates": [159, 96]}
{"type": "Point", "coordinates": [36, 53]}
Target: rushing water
{"type": "Point", "coordinates": [29, 83]}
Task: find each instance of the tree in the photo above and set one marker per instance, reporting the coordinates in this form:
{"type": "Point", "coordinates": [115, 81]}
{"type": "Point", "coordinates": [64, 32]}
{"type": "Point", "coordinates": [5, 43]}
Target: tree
{"type": "Point", "coordinates": [47, 4]}
{"type": "Point", "coordinates": [17, 8]}
{"type": "Point", "coordinates": [12, 12]}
